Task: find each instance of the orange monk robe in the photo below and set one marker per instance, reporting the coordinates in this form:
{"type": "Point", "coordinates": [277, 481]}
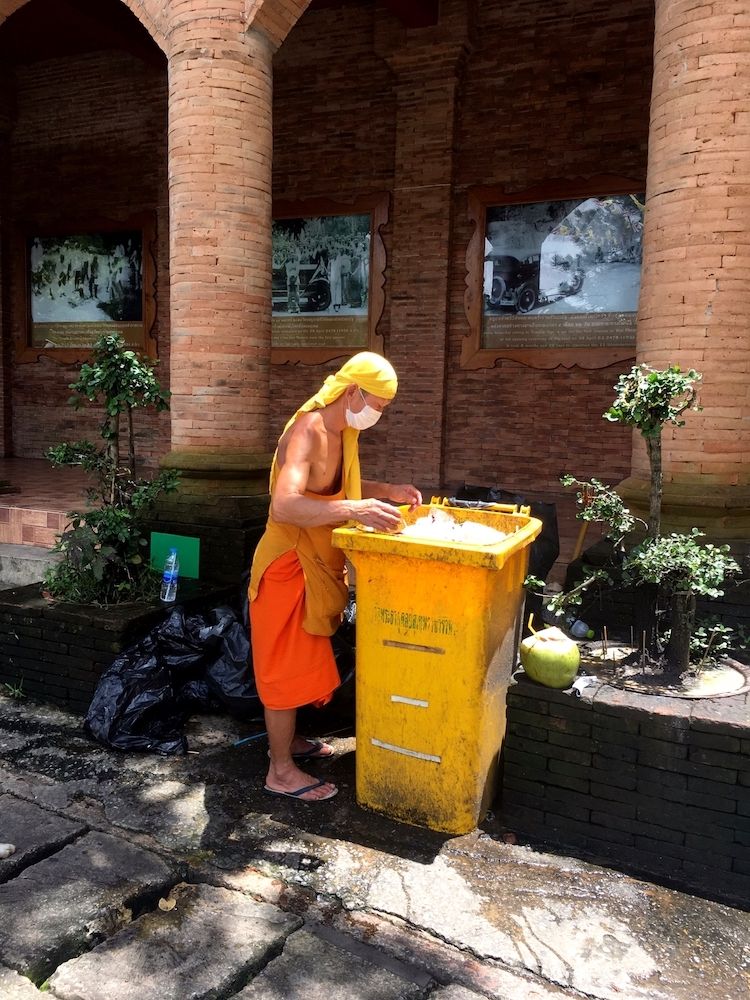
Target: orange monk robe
{"type": "Point", "coordinates": [290, 635]}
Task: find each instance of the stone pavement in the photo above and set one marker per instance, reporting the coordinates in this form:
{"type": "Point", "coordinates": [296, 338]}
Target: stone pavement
{"type": "Point", "coordinates": [139, 877]}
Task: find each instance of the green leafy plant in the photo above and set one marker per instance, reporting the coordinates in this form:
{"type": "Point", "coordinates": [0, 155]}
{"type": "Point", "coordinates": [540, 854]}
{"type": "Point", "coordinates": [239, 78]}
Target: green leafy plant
{"type": "Point", "coordinates": [683, 569]}
{"type": "Point", "coordinates": [712, 640]}
{"type": "Point", "coordinates": [600, 503]}
{"type": "Point", "coordinates": [597, 503]}
{"type": "Point", "coordinates": [648, 399]}
{"type": "Point", "coordinates": [16, 690]}
{"type": "Point", "coordinates": [105, 548]}
{"type": "Point", "coordinates": [669, 571]}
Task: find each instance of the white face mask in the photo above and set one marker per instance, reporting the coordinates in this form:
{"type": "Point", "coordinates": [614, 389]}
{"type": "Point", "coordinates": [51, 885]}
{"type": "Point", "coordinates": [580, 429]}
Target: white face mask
{"type": "Point", "coordinates": [368, 416]}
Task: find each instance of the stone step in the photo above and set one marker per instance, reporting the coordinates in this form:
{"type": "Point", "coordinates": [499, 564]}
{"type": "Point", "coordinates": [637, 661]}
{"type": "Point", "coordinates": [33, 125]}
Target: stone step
{"type": "Point", "coordinates": [37, 525]}
{"type": "Point", "coordinates": [15, 987]}
{"type": "Point", "coordinates": [37, 833]}
{"type": "Point", "coordinates": [65, 903]}
{"type": "Point", "coordinates": [204, 943]}
{"type": "Point", "coordinates": [23, 564]}
{"type": "Point", "coordinates": [310, 968]}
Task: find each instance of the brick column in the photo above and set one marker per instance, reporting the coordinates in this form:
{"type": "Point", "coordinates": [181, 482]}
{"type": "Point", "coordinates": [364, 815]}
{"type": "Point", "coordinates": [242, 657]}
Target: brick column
{"type": "Point", "coordinates": [220, 147]}
{"type": "Point", "coordinates": [695, 291]}
{"type": "Point", "coordinates": [6, 347]}
{"type": "Point", "coordinates": [220, 142]}
{"type": "Point", "coordinates": [428, 67]}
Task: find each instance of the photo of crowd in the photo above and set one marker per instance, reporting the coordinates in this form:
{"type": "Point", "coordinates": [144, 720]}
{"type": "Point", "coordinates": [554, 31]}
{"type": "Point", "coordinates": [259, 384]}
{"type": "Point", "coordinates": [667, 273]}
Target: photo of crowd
{"type": "Point", "coordinates": [321, 266]}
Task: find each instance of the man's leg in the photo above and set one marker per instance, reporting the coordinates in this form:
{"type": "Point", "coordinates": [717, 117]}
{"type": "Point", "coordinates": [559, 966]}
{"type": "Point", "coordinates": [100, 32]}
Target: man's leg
{"type": "Point", "coordinates": [283, 773]}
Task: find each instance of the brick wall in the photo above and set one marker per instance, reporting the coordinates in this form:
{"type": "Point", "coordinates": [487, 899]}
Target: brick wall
{"type": "Point", "coordinates": [654, 786]}
{"type": "Point", "coordinates": [88, 144]}
{"type": "Point", "coordinates": [572, 102]}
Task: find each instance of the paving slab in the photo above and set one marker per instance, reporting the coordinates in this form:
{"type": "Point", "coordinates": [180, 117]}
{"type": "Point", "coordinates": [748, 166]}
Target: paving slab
{"type": "Point", "coordinates": [576, 925]}
{"type": "Point", "coordinates": [35, 832]}
{"type": "Point", "coordinates": [15, 987]}
{"type": "Point", "coordinates": [505, 921]}
{"type": "Point", "coordinates": [446, 964]}
{"type": "Point", "coordinates": [455, 993]}
{"type": "Point", "coordinates": [62, 905]}
{"type": "Point", "coordinates": [312, 969]}
{"type": "Point", "coordinates": [205, 947]}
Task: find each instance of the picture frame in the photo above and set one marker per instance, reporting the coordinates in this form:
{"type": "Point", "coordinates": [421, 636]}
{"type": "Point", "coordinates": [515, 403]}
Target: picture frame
{"type": "Point", "coordinates": [328, 279]}
{"type": "Point", "coordinates": [553, 274]}
{"type": "Point", "coordinates": [84, 280]}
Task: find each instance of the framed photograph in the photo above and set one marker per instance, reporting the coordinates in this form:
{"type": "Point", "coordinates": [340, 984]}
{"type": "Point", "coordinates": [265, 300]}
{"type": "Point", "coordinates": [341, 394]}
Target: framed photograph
{"type": "Point", "coordinates": [328, 278]}
{"type": "Point", "coordinates": [84, 282]}
{"type": "Point", "coordinates": [555, 281]}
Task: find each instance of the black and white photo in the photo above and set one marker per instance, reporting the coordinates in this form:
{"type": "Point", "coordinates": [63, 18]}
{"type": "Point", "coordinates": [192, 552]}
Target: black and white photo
{"type": "Point", "coordinates": [81, 285]}
{"type": "Point", "coordinates": [572, 256]}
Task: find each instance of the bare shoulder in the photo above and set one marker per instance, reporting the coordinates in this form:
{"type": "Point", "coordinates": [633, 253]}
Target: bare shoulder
{"type": "Point", "coordinates": [303, 436]}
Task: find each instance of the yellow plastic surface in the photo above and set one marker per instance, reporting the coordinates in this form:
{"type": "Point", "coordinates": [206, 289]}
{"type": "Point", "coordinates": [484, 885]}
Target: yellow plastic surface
{"type": "Point", "coordinates": [437, 635]}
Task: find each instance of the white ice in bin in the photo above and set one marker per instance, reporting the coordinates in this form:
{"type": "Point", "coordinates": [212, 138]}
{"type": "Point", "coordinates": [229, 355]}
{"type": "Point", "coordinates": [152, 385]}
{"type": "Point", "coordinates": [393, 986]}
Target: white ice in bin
{"type": "Point", "coordinates": [440, 526]}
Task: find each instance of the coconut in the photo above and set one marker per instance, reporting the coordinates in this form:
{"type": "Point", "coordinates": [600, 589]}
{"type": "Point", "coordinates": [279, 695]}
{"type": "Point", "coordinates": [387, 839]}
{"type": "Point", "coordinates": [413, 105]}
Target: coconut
{"type": "Point", "coordinates": [550, 657]}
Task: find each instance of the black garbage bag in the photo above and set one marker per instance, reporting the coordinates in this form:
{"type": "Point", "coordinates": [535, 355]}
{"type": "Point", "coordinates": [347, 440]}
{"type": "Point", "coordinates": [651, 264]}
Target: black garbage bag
{"type": "Point", "coordinates": [195, 696]}
{"type": "Point", "coordinates": [135, 705]}
{"type": "Point", "coordinates": [544, 549]}
{"type": "Point", "coordinates": [187, 663]}
{"type": "Point", "coordinates": [344, 642]}
{"type": "Point", "coordinates": [229, 677]}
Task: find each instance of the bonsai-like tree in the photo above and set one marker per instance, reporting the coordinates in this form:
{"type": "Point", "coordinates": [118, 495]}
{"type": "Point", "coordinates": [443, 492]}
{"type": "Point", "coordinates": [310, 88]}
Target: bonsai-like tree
{"type": "Point", "coordinates": [670, 569]}
{"type": "Point", "coordinates": [104, 549]}
{"type": "Point", "coordinates": [648, 400]}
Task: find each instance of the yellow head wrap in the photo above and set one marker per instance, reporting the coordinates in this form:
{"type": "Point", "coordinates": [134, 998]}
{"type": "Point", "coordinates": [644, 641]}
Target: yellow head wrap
{"type": "Point", "coordinates": [373, 374]}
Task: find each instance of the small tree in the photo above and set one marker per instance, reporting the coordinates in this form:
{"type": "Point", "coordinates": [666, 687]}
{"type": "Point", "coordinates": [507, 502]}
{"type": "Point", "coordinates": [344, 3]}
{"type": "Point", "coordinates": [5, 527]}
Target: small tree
{"type": "Point", "coordinates": [648, 399]}
{"type": "Point", "coordinates": [674, 569]}
{"type": "Point", "coordinates": [105, 547]}
{"type": "Point", "coordinates": [683, 569]}
{"type": "Point", "coordinates": [125, 382]}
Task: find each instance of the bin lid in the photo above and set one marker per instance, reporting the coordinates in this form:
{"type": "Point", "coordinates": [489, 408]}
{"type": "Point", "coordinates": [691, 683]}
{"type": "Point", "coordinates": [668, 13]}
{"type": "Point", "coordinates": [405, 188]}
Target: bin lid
{"type": "Point", "coordinates": [521, 531]}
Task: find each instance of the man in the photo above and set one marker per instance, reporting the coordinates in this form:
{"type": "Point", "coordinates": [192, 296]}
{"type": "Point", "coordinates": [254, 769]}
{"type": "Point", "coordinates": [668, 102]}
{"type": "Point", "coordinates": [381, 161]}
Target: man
{"type": "Point", "coordinates": [297, 586]}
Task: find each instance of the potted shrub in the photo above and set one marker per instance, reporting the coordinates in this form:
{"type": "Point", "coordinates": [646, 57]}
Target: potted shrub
{"type": "Point", "coordinates": [666, 572]}
{"type": "Point", "coordinates": [105, 548]}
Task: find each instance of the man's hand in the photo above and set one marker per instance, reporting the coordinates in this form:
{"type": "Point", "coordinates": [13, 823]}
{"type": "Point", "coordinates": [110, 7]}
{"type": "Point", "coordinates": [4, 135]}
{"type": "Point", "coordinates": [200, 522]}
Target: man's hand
{"type": "Point", "coordinates": [376, 514]}
{"type": "Point", "coordinates": [405, 493]}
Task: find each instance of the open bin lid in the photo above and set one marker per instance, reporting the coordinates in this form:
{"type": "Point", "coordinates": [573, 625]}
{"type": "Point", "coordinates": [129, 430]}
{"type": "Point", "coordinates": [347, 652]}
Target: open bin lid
{"type": "Point", "coordinates": [521, 531]}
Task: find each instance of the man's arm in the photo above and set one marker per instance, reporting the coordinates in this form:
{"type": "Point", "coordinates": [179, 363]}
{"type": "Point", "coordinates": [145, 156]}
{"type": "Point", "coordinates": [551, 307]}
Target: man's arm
{"type": "Point", "coordinates": [289, 505]}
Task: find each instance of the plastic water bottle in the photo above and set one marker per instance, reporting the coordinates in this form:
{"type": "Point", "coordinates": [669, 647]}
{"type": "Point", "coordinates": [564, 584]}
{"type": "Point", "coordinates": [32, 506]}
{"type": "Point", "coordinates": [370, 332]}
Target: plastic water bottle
{"type": "Point", "coordinates": [581, 630]}
{"type": "Point", "coordinates": [170, 577]}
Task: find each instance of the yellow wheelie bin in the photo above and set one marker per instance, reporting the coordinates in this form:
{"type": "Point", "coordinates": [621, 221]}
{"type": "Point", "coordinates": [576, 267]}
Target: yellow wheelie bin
{"type": "Point", "coordinates": [438, 624]}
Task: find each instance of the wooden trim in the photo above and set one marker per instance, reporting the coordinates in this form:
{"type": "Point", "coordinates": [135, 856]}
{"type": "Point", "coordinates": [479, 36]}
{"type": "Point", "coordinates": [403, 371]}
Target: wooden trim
{"type": "Point", "coordinates": [377, 206]}
{"type": "Point", "coordinates": [480, 198]}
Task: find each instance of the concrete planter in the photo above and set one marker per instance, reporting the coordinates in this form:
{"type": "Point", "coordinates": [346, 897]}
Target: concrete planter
{"type": "Point", "coordinates": [655, 786]}
{"type": "Point", "coordinates": [57, 652]}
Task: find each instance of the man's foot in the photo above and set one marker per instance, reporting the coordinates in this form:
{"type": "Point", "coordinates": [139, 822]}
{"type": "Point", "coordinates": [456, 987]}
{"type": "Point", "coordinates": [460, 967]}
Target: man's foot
{"type": "Point", "coordinates": [6, 850]}
{"type": "Point", "coordinates": [302, 793]}
{"type": "Point", "coordinates": [291, 782]}
{"type": "Point", "coordinates": [305, 749]}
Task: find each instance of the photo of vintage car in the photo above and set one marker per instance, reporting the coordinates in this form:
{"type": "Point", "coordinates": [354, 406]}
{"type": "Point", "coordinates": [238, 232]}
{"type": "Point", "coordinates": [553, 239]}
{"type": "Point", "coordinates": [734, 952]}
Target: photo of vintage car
{"type": "Point", "coordinates": [305, 289]}
{"type": "Point", "coordinates": [515, 284]}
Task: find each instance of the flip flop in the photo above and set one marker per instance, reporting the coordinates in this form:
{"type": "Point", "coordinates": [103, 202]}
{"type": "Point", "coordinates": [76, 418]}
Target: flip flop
{"type": "Point", "coordinates": [314, 752]}
{"type": "Point", "coordinates": [300, 791]}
